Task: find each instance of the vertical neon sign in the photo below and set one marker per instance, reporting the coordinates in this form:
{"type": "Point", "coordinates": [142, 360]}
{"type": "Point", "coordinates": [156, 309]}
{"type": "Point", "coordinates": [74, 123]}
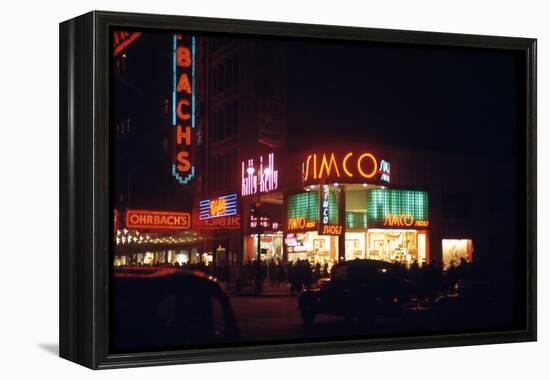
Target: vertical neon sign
{"type": "Point", "coordinates": [183, 106]}
{"type": "Point", "coordinates": [324, 204]}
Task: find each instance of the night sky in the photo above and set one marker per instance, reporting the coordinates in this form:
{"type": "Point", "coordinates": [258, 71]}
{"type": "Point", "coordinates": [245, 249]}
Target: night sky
{"type": "Point", "coordinates": [442, 99]}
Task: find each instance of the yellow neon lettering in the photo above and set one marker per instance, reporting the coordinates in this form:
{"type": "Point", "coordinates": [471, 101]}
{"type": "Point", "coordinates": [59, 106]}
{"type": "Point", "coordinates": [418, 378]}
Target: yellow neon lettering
{"type": "Point", "coordinates": [344, 165]}
{"type": "Point", "coordinates": [374, 166]}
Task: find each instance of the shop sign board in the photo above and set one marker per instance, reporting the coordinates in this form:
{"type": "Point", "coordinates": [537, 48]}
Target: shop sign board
{"type": "Point", "coordinates": [158, 220]}
{"type": "Point", "coordinates": [347, 167]}
{"type": "Point", "coordinates": [325, 228]}
{"type": "Point", "coordinates": [224, 223]}
{"type": "Point", "coordinates": [225, 205]}
{"type": "Point", "coordinates": [183, 107]}
{"type": "Point", "coordinates": [330, 229]}
{"type": "Point", "coordinates": [218, 213]}
{"type": "Point", "coordinates": [403, 220]}
{"type": "Point", "coordinates": [263, 179]}
{"type": "Point", "coordinates": [300, 224]}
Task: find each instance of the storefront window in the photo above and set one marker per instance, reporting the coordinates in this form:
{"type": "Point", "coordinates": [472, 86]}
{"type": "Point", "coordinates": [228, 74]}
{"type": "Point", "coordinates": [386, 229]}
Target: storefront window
{"type": "Point", "coordinates": [397, 246]}
{"type": "Point", "coordinates": [271, 246]}
{"type": "Point", "coordinates": [456, 250]}
{"type": "Point", "coordinates": [355, 245]}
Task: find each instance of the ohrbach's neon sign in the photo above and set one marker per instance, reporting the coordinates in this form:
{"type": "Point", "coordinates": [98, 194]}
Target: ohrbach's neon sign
{"type": "Point", "coordinates": [403, 220]}
{"type": "Point", "coordinates": [346, 167]}
{"type": "Point", "coordinates": [164, 220]}
{"type": "Point", "coordinates": [183, 106]}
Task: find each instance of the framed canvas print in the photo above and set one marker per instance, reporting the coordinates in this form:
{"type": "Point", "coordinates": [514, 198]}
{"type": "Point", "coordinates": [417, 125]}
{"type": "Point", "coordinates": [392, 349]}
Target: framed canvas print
{"type": "Point", "coordinates": [239, 190]}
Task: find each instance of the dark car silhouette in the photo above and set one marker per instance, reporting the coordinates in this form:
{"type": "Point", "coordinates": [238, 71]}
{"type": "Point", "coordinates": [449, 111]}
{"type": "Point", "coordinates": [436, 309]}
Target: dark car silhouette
{"type": "Point", "coordinates": [167, 307]}
{"type": "Point", "coordinates": [361, 289]}
{"type": "Point", "coordinates": [470, 304]}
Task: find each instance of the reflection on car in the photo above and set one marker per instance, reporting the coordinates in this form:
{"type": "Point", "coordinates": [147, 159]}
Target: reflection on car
{"type": "Point", "coordinates": [361, 289]}
{"type": "Point", "coordinates": [167, 307]}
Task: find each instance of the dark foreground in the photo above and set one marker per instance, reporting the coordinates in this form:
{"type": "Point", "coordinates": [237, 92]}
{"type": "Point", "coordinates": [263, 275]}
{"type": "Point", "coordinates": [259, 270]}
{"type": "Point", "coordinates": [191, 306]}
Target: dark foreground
{"type": "Point", "coordinates": [278, 318]}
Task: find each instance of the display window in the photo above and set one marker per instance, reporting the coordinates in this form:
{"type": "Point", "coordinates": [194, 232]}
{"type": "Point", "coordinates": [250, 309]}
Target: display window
{"type": "Point", "coordinates": [403, 246]}
{"type": "Point", "coordinates": [454, 251]}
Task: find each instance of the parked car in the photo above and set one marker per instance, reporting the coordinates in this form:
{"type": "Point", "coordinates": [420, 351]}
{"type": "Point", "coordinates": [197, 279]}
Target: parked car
{"type": "Point", "coordinates": [168, 307]}
{"type": "Point", "coordinates": [361, 289]}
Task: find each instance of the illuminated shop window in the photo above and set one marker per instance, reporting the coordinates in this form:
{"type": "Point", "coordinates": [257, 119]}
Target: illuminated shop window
{"type": "Point", "coordinates": [356, 219]}
{"type": "Point", "coordinates": [381, 202]}
{"type": "Point", "coordinates": [306, 205]}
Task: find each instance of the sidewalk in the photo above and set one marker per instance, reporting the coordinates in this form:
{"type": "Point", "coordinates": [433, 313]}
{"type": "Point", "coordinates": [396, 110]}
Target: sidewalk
{"type": "Point", "coordinates": [268, 291]}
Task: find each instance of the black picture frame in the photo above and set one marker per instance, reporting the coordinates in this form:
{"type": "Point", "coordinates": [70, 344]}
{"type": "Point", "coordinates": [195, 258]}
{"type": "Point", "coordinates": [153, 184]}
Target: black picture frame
{"type": "Point", "coordinates": [85, 219]}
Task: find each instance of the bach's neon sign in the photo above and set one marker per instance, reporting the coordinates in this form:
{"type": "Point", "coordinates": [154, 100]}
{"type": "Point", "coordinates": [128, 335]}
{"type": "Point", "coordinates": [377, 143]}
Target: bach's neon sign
{"type": "Point", "coordinates": [345, 167]}
{"type": "Point", "coordinates": [183, 106]}
{"type": "Point", "coordinates": [259, 175]}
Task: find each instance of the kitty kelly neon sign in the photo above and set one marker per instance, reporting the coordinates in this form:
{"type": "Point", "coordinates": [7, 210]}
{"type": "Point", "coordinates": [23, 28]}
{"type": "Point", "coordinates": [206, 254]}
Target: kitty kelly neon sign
{"type": "Point", "coordinates": [268, 179]}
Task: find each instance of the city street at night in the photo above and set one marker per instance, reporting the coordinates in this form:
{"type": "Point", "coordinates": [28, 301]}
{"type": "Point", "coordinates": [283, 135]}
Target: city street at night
{"type": "Point", "coordinates": [237, 176]}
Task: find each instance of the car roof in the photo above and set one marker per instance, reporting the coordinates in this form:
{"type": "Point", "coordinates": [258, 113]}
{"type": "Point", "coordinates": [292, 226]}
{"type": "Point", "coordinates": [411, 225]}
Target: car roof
{"type": "Point", "coordinates": [368, 264]}
{"type": "Point", "coordinates": [158, 275]}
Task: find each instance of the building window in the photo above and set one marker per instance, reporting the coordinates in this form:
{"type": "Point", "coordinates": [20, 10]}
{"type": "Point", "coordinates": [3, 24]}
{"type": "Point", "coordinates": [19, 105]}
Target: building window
{"type": "Point", "coordinates": [225, 76]}
{"type": "Point", "coordinates": [225, 122]}
{"type": "Point", "coordinates": [223, 171]}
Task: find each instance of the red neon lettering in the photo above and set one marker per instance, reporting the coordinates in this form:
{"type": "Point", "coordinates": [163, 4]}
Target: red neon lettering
{"type": "Point", "coordinates": [179, 111]}
{"type": "Point", "coordinates": [183, 84]}
{"type": "Point", "coordinates": [183, 57]}
{"type": "Point", "coordinates": [180, 135]}
{"type": "Point", "coordinates": [183, 163]}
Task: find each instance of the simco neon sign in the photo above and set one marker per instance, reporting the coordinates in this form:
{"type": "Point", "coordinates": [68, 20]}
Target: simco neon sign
{"type": "Point", "coordinates": [324, 204]}
{"type": "Point", "coordinates": [183, 106]}
{"type": "Point", "coordinates": [324, 227]}
{"type": "Point", "coordinates": [345, 167]}
{"type": "Point", "coordinates": [218, 207]}
{"type": "Point", "coordinates": [268, 176]}
{"type": "Point", "coordinates": [301, 224]}
{"type": "Point", "coordinates": [403, 220]}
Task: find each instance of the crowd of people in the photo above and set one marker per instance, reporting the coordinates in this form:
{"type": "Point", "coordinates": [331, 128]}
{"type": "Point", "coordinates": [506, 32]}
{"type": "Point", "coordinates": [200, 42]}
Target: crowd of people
{"type": "Point", "coordinates": [255, 275]}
